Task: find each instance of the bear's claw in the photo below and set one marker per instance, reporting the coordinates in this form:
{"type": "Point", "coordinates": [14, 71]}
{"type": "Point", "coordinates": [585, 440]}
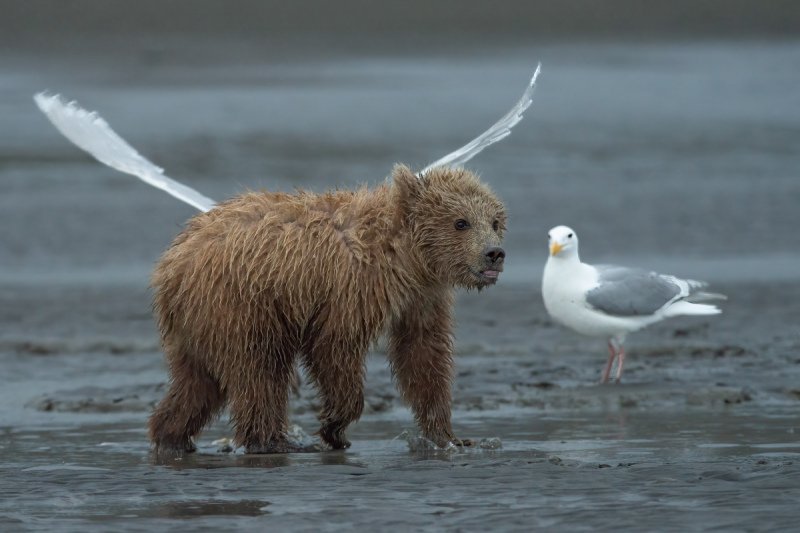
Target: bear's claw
{"type": "Point", "coordinates": [333, 436]}
{"type": "Point", "coordinates": [174, 446]}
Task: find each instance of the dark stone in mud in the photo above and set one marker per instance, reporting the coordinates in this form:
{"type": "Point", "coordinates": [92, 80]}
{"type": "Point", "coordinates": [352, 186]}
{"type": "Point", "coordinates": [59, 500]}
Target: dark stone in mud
{"type": "Point", "coordinates": [720, 351]}
{"type": "Point", "coordinates": [740, 397]}
{"type": "Point", "coordinates": [543, 385]}
{"type": "Point", "coordinates": [689, 331]}
{"type": "Point", "coordinates": [627, 402]}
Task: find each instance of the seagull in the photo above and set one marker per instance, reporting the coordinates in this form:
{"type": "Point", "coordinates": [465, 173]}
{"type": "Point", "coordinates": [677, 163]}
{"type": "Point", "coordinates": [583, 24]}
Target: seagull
{"type": "Point", "coordinates": [611, 301]}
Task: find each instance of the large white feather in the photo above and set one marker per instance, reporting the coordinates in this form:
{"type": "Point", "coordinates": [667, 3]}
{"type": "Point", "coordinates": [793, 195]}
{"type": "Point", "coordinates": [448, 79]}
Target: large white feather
{"type": "Point", "coordinates": [93, 134]}
{"type": "Point", "coordinates": [499, 131]}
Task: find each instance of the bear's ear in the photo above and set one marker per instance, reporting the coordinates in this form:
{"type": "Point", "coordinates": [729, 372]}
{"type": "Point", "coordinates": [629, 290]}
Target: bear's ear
{"type": "Point", "coordinates": [407, 188]}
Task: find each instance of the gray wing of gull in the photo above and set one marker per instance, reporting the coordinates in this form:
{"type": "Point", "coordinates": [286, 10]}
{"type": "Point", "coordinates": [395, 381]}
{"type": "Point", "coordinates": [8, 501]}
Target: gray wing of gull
{"type": "Point", "coordinates": [92, 134]}
{"type": "Point", "coordinates": [631, 292]}
{"type": "Point", "coordinates": [499, 131]}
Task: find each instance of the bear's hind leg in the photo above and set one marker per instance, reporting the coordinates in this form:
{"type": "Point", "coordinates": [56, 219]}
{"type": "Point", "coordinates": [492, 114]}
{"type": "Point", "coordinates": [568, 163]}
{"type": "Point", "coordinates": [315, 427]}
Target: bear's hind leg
{"type": "Point", "coordinates": [338, 372]}
{"type": "Point", "coordinates": [259, 401]}
{"type": "Point", "coordinates": [193, 398]}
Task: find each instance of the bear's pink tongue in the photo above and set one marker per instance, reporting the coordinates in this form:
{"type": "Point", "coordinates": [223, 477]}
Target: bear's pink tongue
{"type": "Point", "coordinates": [490, 273]}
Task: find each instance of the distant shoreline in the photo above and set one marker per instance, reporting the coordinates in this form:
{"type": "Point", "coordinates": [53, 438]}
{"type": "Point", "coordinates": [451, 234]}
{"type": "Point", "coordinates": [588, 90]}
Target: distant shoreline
{"type": "Point", "coordinates": [398, 25]}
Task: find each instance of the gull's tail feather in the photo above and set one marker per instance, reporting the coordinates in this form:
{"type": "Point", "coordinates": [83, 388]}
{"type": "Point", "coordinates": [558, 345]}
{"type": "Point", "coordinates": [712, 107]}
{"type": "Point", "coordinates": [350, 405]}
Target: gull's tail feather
{"type": "Point", "coordinates": [703, 296]}
{"type": "Point", "coordinates": [499, 131]}
{"type": "Point", "coordinates": [695, 285]}
{"type": "Point", "coordinates": [683, 307]}
{"type": "Point", "coordinates": [692, 290]}
{"type": "Point", "coordinates": [91, 133]}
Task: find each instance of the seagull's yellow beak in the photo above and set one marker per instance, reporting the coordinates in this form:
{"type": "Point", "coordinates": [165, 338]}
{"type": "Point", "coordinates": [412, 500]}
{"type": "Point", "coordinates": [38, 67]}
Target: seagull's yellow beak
{"type": "Point", "coordinates": [555, 248]}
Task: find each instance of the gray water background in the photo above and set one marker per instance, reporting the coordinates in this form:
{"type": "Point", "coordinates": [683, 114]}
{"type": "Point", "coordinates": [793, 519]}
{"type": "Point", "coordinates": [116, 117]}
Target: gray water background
{"type": "Point", "coordinates": [667, 141]}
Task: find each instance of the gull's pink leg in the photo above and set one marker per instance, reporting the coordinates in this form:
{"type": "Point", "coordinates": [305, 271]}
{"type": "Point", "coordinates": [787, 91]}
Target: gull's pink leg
{"type": "Point", "coordinates": [621, 362]}
{"type": "Point", "coordinates": [611, 355]}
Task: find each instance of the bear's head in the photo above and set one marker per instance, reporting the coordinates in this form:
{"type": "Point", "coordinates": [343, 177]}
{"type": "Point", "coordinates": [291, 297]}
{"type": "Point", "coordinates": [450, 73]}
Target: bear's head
{"type": "Point", "coordinates": [457, 224]}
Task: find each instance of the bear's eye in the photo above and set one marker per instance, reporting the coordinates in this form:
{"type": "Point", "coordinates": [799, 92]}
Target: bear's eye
{"type": "Point", "coordinates": [496, 225]}
{"type": "Point", "coordinates": [461, 224]}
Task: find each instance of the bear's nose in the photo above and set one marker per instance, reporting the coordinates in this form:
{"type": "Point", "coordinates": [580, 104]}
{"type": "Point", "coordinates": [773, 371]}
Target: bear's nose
{"type": "Point", "coordinates": [495, 254]}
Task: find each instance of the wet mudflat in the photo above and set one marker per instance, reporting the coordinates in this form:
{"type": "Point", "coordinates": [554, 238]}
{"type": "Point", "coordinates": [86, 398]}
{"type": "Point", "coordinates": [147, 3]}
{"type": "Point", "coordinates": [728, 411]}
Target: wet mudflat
{"type": "Point", "coordinates": [609, 471]}
{"type": "Point", "coordinates": [667, 156]}
{"type": "Point", "coordinates": [702, 433]}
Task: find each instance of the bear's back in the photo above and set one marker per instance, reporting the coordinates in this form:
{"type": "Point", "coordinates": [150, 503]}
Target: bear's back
{"type": "Point", "coordinates": [296, 252]}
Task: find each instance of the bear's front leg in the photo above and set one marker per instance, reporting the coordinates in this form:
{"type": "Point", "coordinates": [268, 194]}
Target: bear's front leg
{"type": "Point", "coordinates": [421, 355]}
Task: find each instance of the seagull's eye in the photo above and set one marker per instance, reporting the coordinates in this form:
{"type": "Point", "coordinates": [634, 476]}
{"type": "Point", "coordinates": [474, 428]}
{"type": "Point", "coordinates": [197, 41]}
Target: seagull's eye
{"type": "Point", "coordinates": [461, 224]}
{"type": "Point", "coordinates": [569, 236]}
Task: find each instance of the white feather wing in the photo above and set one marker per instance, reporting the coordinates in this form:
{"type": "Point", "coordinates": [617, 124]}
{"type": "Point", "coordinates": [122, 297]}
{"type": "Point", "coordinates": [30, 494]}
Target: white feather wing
{"type": "Point", "coordinates": [93, 134]}
{"type": "Point", "coordinates": [499, 131]}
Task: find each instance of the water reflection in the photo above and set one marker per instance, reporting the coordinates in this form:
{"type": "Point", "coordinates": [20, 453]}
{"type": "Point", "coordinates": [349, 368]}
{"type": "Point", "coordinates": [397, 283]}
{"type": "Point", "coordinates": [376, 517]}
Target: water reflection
{"type": "Point", "coordinates": [219, 460]}
{"type": "Point", "coordinates": [197, 508]}
{"type": "Point", "coordinates": [211, 460]}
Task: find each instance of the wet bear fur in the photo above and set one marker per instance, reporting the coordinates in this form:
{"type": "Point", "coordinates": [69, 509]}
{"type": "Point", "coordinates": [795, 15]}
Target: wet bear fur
{"type": "Point", "coordinates": [267, 279]}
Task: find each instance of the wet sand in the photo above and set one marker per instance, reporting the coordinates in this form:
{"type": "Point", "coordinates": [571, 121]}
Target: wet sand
{"type": "Point", "coordinates": [670, 156]}
{"type": "Point", "coordinates": [701, 433]}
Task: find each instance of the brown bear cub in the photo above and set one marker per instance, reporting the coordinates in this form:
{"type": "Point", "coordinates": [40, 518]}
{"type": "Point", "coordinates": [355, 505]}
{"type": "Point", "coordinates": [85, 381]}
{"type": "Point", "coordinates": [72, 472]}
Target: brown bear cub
{"type": "Point", "coordinates": [265, 278]}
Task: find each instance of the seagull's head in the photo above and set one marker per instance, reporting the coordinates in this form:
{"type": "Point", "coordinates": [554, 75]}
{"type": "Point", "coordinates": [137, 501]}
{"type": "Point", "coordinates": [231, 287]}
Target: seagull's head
{"type": "Point", "coordinates": [563, 242]}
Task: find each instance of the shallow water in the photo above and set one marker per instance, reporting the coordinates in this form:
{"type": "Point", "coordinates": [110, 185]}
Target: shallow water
{"type": "Point", "coordinates": [701, 434]}
{"type": "Point", "coordinates": [575, 471]}
{"type": "Point", "coordinates": [679, 157]}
